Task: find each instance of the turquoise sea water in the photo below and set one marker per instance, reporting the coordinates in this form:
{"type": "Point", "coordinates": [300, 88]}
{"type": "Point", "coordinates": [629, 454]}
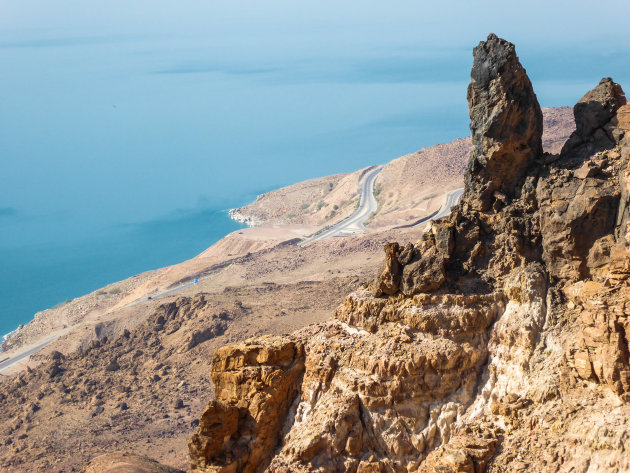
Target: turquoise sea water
{"type": "Point", "coordinates": [42, 275]}
{"type": "Point", "coordinates": [126, 132]}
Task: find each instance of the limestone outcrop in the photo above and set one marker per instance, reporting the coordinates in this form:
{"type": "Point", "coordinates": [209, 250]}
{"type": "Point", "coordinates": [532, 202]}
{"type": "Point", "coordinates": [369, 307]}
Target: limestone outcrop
{"type": "Point", "coordinates": [498, 342]}
{"type": "Point", "coordinates": [255, 384]}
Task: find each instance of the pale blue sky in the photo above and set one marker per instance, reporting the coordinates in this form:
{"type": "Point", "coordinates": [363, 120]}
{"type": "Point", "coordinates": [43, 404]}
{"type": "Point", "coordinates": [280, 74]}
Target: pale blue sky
{"type": "Point", "coordinates": [441, 23]}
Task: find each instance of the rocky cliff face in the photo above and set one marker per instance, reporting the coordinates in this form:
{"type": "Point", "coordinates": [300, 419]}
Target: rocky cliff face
{"type": "Point", "coordinates": [498, 342]}
{"type": "Point", "coordinates": [256, 382]}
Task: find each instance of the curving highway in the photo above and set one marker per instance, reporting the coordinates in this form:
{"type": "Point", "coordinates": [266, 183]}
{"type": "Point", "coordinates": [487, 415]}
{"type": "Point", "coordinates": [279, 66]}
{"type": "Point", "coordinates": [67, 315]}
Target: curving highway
{"type": "Point", "coordinates": [450, 199]}
{"type": "Point", "coordinates": [9, 362]}
{"type": "Point", "coordinates": [355, 223]}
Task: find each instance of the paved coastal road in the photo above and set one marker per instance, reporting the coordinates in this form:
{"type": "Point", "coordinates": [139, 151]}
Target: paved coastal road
{"type": "Point", "coordinates": [7, 363]}
{"type": "Point", "coordinates": [451, 199]}
{"type": "Point", "coordinates": [355, 223]}
{"type": "Point", "coordinates": [173, 290]}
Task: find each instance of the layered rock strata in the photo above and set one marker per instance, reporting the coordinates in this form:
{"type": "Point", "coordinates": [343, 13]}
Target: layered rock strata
{"type": "Point", "coordinates": [255, 385]}
{"type": "Point", "coordinates": [485, 346]}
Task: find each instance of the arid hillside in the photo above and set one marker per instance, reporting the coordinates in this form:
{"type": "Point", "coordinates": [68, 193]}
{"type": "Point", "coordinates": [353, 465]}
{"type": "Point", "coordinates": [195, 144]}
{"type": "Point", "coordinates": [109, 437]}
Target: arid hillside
{"type": "Point", "coordinates": [313, 202]}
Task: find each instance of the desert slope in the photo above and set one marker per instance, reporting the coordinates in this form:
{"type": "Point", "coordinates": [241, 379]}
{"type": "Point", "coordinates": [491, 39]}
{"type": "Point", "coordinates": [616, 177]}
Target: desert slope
{"type": "Point", "coordinates": [314, 202]}
{"type": "Point", "coordinates": [115, 380]}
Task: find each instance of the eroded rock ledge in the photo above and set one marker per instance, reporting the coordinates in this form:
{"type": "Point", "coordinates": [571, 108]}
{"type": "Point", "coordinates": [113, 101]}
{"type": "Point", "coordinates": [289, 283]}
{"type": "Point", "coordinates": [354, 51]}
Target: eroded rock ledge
{"type": "Point", "coordinates": [492, 344]}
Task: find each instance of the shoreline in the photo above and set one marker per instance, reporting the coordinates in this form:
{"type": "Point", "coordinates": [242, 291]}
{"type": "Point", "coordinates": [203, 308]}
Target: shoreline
{"type": "Point", "coordinates": [249, 220]}
{"type": "Point", "coordinates": [4, 339]}
{"type": "Point", "coordinates": [32, 314]}
{"type": "Point", "coordinates": [11, 333]}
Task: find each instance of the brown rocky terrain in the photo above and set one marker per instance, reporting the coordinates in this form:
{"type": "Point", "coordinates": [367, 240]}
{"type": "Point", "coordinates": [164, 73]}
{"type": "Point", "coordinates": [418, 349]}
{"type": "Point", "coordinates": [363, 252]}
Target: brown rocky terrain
{"type": "Point", "coordinates": [126, 463]}
{"type": "Point", "coordinates": [497, 342]}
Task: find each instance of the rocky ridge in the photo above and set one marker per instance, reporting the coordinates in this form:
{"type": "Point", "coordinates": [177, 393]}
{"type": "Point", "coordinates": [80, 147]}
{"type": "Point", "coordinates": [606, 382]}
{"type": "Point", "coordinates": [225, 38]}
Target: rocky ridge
{"type": "Point", "coordinates": [498, 342]}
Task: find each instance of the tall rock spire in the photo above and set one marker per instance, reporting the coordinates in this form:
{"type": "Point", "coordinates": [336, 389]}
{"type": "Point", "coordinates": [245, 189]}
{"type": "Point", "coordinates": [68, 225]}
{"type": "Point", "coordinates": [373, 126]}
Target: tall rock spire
{"type": "Point", "coordinates": [506, 123]}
